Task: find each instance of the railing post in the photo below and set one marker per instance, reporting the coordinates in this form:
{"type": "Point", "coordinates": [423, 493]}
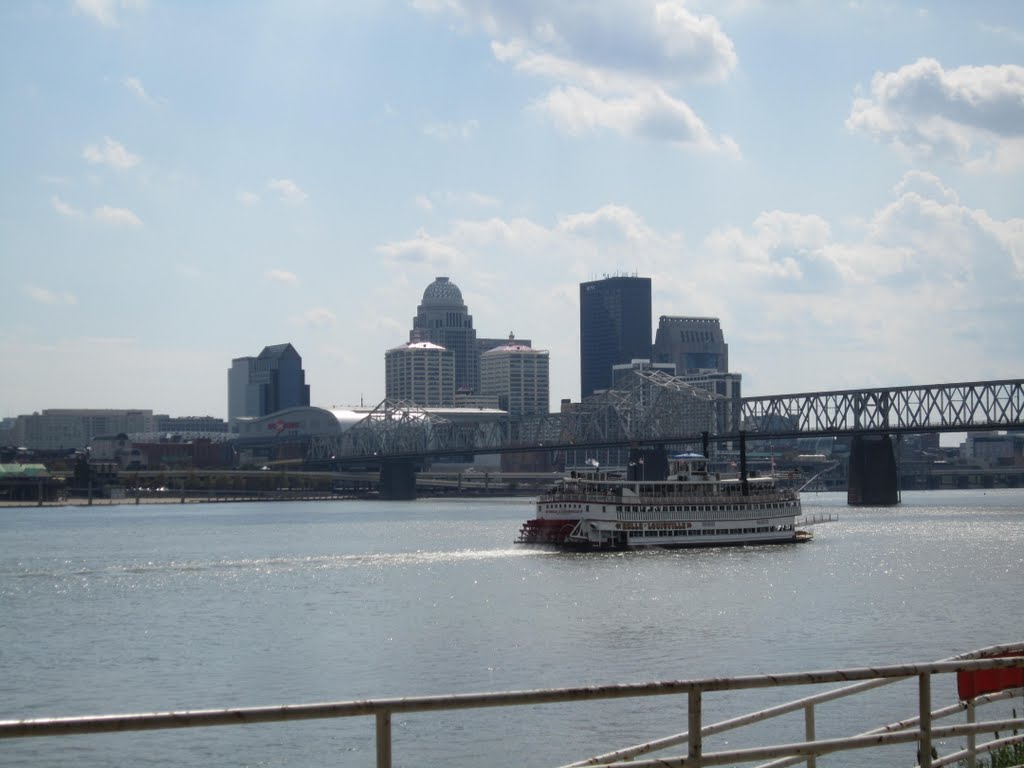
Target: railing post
{"type": "Point", "coordinates": [695, 741]}
{"type": "Point", "coordinates": [809, 733]}
{"type": "Point", "coordinates": [383, 740]}
{"type": "Point", "coordinates": [924, 742]}
{"type": "Point", "coordinates": [972, 738]}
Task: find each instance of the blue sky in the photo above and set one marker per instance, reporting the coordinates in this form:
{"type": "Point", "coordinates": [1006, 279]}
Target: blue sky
{"type": "Point", "coordinates": [184, 183]}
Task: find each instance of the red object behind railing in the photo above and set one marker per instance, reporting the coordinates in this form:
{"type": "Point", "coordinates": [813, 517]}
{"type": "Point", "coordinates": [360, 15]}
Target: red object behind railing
{"type": "Point", "coordinates": [971, 684]}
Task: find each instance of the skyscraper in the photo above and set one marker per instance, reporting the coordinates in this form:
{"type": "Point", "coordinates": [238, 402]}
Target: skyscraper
{"type": "Point", "coordinates": [442, 318]}
{"type": "Point", "coordinates": [422, 373]}
{"type": "Point", "coordinates": [615, 327]}
{"type": "Point", "coordinates": [272, 381]}
{"type": "Point", "coordinates": [518, 375]}
{"type": "Point", "coordinates": [691, 343]}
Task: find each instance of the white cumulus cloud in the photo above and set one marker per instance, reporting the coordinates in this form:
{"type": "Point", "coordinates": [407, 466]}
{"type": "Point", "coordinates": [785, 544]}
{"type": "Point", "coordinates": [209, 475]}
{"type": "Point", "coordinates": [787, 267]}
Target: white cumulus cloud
{"type": "Point", "coordinates": [65, 209]}
{"type": "Point", "coordinates": [288, 190]}
{"type": "Point", "coordinates": [608, 223]}
{"type": "Point", "coordinates": [452, 131]}
{"type": "Point", "coordinates": [317, 317]}
{"type": "Point", "coordinates": [973, 116]}
{"type": "Point", "coordinates": [108, 12]}
{"type": "Point", "coordinates": [116, 216]}
{"type": "Point", "coordinates": [422, 249]}
{"type": "Point", "coordinates": [104, 214]}
{"type": "Point", "coordinates": [615, 64]}
{"type": "Point", "coordinates": [111, 153]}
{"type": "Point", "coordinates": [926, 288]}
{"type": "Point", "coordinates": [481, 200]}
{"type": "Point", "coordinates": [46, 296]}
{"type": "Point", "coordinates": [134, 85]}
{"type": "Point", "coordinates": [654, 40]}
{"type": "Point", "coordinates": [449, 198]}
{"type": "Point", "coordinates": [649, 114]}
{"type": "Point", "coordinates": [281, 276]}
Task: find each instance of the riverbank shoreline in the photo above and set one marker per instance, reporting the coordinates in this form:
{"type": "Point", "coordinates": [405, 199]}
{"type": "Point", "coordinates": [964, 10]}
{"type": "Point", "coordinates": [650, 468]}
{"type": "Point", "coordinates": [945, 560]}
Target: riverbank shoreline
{"type": "Point", "coordinates": [272, 496]}
{"type": "Point", "coordinates": [176, 499]}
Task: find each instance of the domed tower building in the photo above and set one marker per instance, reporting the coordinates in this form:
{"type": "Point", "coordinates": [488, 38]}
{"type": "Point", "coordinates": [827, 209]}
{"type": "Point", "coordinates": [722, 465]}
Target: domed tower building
{"type": "Point", "coordinates": [442, 318]}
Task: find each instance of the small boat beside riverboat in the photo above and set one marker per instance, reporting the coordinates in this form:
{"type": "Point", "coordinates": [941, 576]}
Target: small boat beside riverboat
{"type": "Point", "coordinates": [593, 509]}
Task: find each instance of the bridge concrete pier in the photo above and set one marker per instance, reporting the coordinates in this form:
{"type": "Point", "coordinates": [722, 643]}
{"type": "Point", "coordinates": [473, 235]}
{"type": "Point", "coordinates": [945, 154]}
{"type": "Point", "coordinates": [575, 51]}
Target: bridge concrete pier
{"type": "Point", "coordinates": [873, 479]}
{"type": "Point", "coordinates": [398, 479]}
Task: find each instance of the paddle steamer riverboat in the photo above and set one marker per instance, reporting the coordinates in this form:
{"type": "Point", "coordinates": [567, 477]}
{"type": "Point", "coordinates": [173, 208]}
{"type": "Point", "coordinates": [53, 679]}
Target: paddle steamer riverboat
{"type": "Point", "coordinates": [692, 507]}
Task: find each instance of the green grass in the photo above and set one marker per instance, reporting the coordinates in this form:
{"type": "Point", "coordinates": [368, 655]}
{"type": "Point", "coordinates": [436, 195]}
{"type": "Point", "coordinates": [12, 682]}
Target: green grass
{"type": "Point", "coordinates": [1004, 757]}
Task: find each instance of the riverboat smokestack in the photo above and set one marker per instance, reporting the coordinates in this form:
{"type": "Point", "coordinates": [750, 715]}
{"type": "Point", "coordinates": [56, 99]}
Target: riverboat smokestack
{"type": "Point", "coordinates": [647, 464]}
{"type": "Point", "coordinates": [744, 483]}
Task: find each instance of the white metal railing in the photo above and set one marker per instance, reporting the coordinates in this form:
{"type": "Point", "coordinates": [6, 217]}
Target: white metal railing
{"type": "Point", "coordinates": [688, 499]}
{"type": "Point", "coordinates": [808, 706]}
{"type": "Point", "coordinates": [919, 729]}
{"type": "Point", "coordinates": [818, 519]}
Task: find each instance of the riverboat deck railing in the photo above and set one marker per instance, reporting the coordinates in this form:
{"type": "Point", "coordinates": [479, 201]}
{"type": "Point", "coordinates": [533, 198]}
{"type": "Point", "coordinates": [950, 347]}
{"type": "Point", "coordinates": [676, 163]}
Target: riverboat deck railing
{"type": "Point", "coordinates": [818, 519]}
{"type": "Point", "coordinates": [920, 730]}
{"type": "Point", "coordinates": [689, 499]}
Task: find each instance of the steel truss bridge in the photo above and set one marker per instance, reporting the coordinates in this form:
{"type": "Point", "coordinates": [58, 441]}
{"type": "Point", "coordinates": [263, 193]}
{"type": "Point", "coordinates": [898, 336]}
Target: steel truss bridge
{"type": "Point", "coordinates": [657, 409]}
{"type": "Point", "coordinates": [965, 407]}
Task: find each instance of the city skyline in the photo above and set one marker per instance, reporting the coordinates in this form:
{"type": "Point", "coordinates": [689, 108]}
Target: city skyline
{"type": "Point", "coordinates": [840, 185]}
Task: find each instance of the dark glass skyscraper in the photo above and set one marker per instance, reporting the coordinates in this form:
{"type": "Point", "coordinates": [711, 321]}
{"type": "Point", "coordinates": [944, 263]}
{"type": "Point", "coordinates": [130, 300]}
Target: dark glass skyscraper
{"type": "Point", "coordinates": [271, 382]}
{"type": "Point", "coordinates": [615, 327]}
{"type": "Point", "coordinates": [691, 343]}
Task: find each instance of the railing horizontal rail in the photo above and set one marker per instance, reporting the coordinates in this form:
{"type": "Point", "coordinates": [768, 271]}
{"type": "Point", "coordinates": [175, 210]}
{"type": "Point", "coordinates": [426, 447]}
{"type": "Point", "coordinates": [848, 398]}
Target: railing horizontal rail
{"type": "Point", "coordinates": [817, 519]}
{"type": "Point", "coordinates": [688, 499]}
{"type": "Point", "coordinates": [248, 715]}
{"type": "Point", "coordinates": [910, 722]}
{"type": "Point", "coordinates": [820, 747]}
{"type": "Point", "coordinates": [988, 746]}
{"type": "Point", "coordinates": [808, 702]}
{"type": "Point", "coordinates": [920, 730]}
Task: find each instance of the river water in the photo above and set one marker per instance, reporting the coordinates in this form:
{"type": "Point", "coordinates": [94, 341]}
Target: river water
{"type": "Point", "coordinates": [152, 608]}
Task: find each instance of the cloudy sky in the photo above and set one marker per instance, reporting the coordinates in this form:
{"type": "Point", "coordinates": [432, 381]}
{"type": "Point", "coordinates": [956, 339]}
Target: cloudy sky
{"type": "Point", "coordinates": [184, 183]}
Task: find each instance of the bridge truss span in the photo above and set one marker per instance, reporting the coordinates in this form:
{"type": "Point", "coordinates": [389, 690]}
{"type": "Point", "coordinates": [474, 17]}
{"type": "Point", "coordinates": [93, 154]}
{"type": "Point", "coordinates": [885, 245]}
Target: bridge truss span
{"type": "Point", "coordinates": [655, 409]}
{"type": "Point", "coordinates": [650, 407]}
{"type": "Point", "coordinates": [960, 407]}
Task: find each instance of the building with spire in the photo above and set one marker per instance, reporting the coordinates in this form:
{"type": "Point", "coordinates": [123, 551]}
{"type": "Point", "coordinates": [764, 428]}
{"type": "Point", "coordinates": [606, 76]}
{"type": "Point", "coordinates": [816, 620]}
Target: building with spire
{"type": "Point", "coordinates": [443, 319]}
